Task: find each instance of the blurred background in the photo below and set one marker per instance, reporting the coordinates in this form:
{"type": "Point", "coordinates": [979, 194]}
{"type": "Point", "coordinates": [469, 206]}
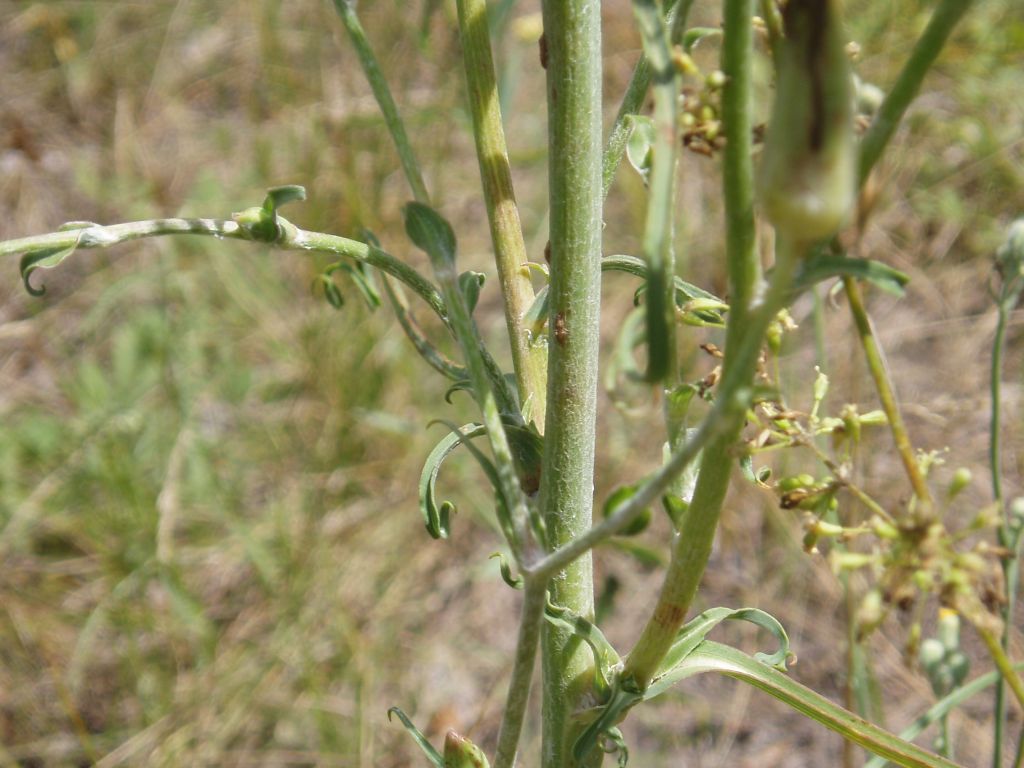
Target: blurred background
{"type": "Point", "coordinates": [210, 549]}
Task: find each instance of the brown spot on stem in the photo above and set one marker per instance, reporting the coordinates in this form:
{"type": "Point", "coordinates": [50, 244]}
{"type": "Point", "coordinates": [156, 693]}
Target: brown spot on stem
{"type": "Point", "coordinates": [669, 615]}
{"type": "Point", "coordinates": [547, 252]}
{"type": "Point", "coordinates": [543, 45]}
{"type": "Point", "coordinates": [561, 332]}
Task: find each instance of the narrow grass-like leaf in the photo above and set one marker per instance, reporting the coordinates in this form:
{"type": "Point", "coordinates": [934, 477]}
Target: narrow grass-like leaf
{"type": "Point", "coordinates": [696, 630]}
{"type": "Point", "coordinates": [432, 754]}
{"type": "Point", "coordinates": [470, 284]}
{"type": "Point", "coordinates": [710, 656]}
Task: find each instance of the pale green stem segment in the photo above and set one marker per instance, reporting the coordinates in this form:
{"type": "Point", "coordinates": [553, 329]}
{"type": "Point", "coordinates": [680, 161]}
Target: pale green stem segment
{"type": "Point", "coordinates": [532, 618]}
{"type": "Point", "coordinates": [371, 69]}
{"type": "Point", "coordinates": [292, 238]}
{"type": "Point", "coordinates": [1011, 565]}
{"type": "Point", "coordinates": [676, 12]}
{"type": "Point", "coordinates": [1003, 664]}
{"type": "Point", "coordinates": [744, 267]}
{"type": "Point", "coordinates": [923, 512]}
{"type": "Point", "coordinates": [904, 91]}
{"type": "Point", "coordinates": [699, 523]}
{"type": "Point", "coordinates": [657, 242]}
{"type": "Point", "coordinates": [529, 359]}
{"type": "Point", "coordinates": [714, 657]}
{"type": "Point", "coordinates": [888, 118]}
{"type": "Point", "coordinates": [572, 30]}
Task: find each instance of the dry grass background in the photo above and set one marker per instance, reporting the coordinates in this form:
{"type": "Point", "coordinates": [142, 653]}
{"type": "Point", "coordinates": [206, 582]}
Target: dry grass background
{"type": "Point", "coordinates": [209, 547]}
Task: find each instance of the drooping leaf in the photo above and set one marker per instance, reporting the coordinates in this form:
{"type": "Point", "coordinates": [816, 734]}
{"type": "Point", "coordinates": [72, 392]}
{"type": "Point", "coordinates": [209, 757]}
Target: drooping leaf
{"type": "Point", "coordinates": [431, 233]}
{"type": "Point", "coordinates": [262, 223]}
{"type": "Point", "coordinates": [620, 496]}
{"type": "Point", "coordinates": [694, 35]}
{"type": "Point", "coordinates": [536, 316]}
{"type": "Point", "coordinates": [823, 266]}
{"type": "Point", "coordinates": [462, 385]}
{"type": "Point", "coordinates": [432, 754]}
{"type": "Point", "coordinates": [710, 656]}
{"type": "Point", "coordinates": [673, 669]}
{"type": "Point", "coordinates": [639, 145]}
{"type": "Point", "coordinates": [278, 196]}
{"type": "Point", "coordinates": [502, 505]}
{"type": "Point", "coordinates": [606, 658]}
{"type": "Point", "coordinates": [436, 517]}
{"type": "Point", "coordinates": [45, 259]}
{"type": "Point", "coordinates": [470, 284]}
{"type": "Point", "coordinates": [331, 291]}
{"type": "Point", "coordinates": [516, 582]}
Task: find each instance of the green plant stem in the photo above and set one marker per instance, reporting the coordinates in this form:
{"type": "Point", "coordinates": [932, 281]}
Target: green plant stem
{"type": "Point", "coordinates": [293, 238]}
{"type": "Point", "coordinates": [744, 335]}
{"type": "Point", "coordinates": [737, 165]}
{"type": "Point", "coordinates": [378, 84]}
{"type": "Point", "coordinates": [572, 29]}
{"type": "Point", "coordinates": [1011, 564]}
{"type": "Point", "coordinates": [1003, 664]}
{"type": "Point", "coordinates": [908, 83]}
{"type": "Point", "coordinates": [698, 525]}
{"type": "Point", "coordinates": [657, 241]}
{"type": "Point", "coordinates": [923, 512]}
{"type": "Point", "coordinates": [676, 12]}
{"type": "Point", "coordinates": [893, 107]}
{"type": "Point", "coordinates": [426, 349]}
{"type": "Point", "coordinates": [529, 359]}
{"type": "Point", "coordinates": [534, 598]}
{"type": "Point", "coordinates": [943, 707]}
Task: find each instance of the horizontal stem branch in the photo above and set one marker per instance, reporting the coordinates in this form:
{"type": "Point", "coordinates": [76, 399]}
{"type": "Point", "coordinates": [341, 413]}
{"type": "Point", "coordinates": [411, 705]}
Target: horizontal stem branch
{"type": "Point", "coordinates": [292, 238]}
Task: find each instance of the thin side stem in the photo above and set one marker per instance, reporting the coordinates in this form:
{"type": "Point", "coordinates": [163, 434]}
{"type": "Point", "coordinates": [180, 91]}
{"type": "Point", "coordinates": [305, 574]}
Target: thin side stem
{"type": "Point", "coordinates": [657, 241]}
{"type": "Point", "coordinates": [293, 238]}
{"type": "Point", "coordinates": [677, 12]}
{"type": "Point", "coordinates": [880, 375]}
{"type": "Point", "coordinates": [737, 165]}
{"type": "Point", "coordinates": [1011, 564]}
{"type": "Point", "coordinates": [904, 90]}
{"type": "Point", "coordinates": [528, 359]}
{"type": "Point", "coordinates": [382, 93]}
{"type": "Point", "coordinates": [572, 29]}
{"type": "Point", "coordinates": [1003, 664]}
{"type": "Point", "coordinates": [530, 623]}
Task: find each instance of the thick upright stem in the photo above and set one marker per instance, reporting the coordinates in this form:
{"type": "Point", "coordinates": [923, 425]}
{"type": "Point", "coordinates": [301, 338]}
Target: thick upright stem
{"type": "Point", "coordinates": [572, 30]}
{"type": "Point", "coordinates": [528, 359]}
